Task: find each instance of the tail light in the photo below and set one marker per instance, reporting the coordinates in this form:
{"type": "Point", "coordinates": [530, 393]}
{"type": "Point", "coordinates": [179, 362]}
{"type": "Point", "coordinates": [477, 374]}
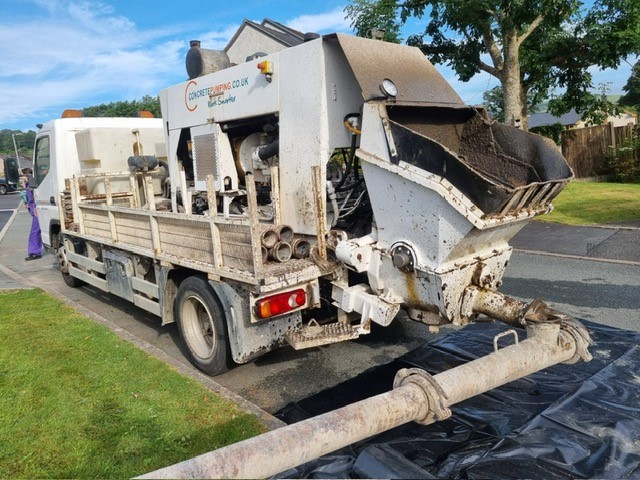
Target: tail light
{"type": "Point", "coordinates": [280, 303]}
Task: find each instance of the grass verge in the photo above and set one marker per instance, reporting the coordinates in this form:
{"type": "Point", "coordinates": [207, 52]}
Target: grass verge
{"type": "Point", "coordinates": [588, 203]}
{"type": "Point", "coordinates": [76, 401]}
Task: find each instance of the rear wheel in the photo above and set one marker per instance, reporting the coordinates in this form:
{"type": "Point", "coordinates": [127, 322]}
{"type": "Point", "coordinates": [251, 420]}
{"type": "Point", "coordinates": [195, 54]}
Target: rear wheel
{"type": "Point", "coordinates": [3, 189]}
{"type": "Point", "coordinates": [201, 323]}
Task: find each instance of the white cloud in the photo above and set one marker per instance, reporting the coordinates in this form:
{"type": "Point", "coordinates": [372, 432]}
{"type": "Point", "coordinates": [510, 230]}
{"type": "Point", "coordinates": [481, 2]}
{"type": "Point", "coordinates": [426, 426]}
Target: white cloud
{"type": "Point", "coordinates": [333, 21]}
{"type": "Point", "coordinates": [80, 53]}
{"type": "Point", "coordinates": [98, 17]}
{"type": "Point", "coordinates": [76, 53]}
{"type": "Point", "coordinates": [218, 39]}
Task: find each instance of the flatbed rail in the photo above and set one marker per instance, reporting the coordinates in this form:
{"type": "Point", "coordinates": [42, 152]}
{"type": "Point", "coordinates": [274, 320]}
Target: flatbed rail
{"type": "Point", "coordinates": [223, 247]}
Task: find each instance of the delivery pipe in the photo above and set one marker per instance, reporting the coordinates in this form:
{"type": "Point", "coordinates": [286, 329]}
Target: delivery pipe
{"type": "Point", "coordinates": [301, 248]}
{"type": "Point", "coordinates": [285, 233]}
{"type": "Point", "coordinates": [281, 252]}
{"type": "Point", "coordinates": [268, 237]}
{"type": "Point", "coordinates": [417, 396]}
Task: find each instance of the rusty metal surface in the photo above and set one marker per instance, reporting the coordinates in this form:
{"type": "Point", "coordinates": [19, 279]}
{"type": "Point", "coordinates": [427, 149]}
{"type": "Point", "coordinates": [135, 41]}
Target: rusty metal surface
{"type": "Point", "coordinates": [308, 337]}
{"type": "Point", "coordinates": [416, 78]}
{"type": "Point", "coordinates": [494, 304]}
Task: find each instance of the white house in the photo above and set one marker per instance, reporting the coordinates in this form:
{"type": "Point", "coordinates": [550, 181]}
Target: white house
{"type": "Point", "coordinates": [270, 35]}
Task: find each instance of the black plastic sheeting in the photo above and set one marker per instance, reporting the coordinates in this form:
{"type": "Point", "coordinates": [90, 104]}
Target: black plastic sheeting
{"type": "Point", "coordinates": [568, 421]}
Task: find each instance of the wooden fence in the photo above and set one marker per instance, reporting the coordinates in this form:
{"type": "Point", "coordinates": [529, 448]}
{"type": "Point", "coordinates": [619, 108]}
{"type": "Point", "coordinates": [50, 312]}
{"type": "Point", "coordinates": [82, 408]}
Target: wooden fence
{"type": "Point", "coordinates": [587, 149]}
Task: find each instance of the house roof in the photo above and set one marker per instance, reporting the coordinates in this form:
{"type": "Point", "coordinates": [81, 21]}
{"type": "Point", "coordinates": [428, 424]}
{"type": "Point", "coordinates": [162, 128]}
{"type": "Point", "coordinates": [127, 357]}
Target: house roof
{"type": "Point", "coordinates": [545, 118]}
{"type": "Point", "coordinates": [292, 36]}
{"type": "Point", "coordinates": [281, 33]}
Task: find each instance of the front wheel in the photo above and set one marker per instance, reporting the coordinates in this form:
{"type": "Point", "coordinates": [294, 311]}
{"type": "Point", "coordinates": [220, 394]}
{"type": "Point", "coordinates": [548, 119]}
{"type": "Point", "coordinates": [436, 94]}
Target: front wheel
{"type": "Point", "coordinates": [63, 264]}
{"type": "Point", "coordinates": [201, 323]}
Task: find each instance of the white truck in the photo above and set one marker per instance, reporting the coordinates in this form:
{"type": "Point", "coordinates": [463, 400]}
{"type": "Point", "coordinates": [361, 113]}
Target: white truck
{"type": "Point", "coordinates": [307, 194]}
{"type": "Point", "coordinates": [73, 145]}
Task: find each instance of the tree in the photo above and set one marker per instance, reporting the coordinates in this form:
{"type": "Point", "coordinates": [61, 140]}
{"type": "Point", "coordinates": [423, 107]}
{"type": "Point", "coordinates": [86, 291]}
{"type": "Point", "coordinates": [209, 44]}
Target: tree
{"type": "Point", "coordinates": [632, 88]}
{"type": "Point", "coordinates": [532, 47]}
{"type": "Point", "coordinates": [494, 102]}
{"type": "Point", "coordinates": [367, 15]}
{"type": "Point", "coordinates": [601, 107]}
{"type": "Point", "coordinates": [24, 142]}
{"type": "Point", "coordinates": [124, 108]}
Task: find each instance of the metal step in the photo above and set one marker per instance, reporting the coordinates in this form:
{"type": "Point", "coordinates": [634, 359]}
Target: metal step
{"type": "Point", "coordinates": [314, 335]}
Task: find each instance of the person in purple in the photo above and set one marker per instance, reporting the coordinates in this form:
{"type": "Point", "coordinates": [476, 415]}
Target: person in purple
{"type": "Point", "coordinates": [34, 248]}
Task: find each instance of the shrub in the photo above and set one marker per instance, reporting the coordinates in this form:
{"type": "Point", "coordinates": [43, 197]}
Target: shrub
{"type": "Point", "coordinates": [623, 161]}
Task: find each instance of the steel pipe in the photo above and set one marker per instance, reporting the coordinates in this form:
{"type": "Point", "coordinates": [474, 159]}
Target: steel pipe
{"type": "Point", "coordinates": [285, 233]}
{"type": "Point", "coordinates": [505, 365]}
{"type": "Point", "coordinates": [494, 304]}
{"type": "Point", "coordinates": [301, 248]}
{"type": "Point", "coordinates": [268, 237]}
{"type": "Point", "coordinates": [418, 396]}
{"type": "Point", "coordinates": [278, 450]}
{"type": "Point", "coordinates": [281, 252]}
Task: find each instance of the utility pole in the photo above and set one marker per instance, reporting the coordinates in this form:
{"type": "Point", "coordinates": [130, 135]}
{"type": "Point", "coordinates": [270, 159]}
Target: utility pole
{"type": "Point", "coordinates": [15, 147]}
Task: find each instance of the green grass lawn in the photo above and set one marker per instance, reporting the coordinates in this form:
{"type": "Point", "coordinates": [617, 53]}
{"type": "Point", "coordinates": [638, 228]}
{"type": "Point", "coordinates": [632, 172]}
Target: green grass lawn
{"type": "Point", "coordinates": [76, 401]}
{"type": "Point", "coordinates": [589, 203]}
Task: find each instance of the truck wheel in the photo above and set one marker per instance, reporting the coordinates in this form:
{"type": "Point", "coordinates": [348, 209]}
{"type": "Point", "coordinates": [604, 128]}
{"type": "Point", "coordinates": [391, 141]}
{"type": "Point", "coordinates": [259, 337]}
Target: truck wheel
{"type": "Point", "coordinates": [202, 327]}
{"type": "Point", "coordinates": [63, 265]}
{"type": "Point", "coordinates": [3, 189]}
{"type": "Point", "coordinates": [72, 282]}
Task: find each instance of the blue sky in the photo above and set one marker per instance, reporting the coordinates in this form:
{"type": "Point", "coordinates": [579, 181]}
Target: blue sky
{"type": "Point", "coordinates": [57, 54]}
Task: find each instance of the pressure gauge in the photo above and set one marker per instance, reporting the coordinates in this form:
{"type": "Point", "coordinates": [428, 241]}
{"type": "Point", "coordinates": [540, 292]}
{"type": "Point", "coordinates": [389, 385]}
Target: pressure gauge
{"type": "Point", "coordinates": [388, 88]}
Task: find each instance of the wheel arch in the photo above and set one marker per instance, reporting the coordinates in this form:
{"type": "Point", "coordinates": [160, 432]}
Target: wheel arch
{"type": "Point", "coordinates": [54, 236]}
{"type": "Point", "coordinates": [169, 280]}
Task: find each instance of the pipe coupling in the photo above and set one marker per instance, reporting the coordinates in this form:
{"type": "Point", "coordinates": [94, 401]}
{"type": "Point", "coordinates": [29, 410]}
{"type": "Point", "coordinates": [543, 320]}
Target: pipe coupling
{"type": "Point", "coordinates": [580, 335]}
{"type": "Point", "coordinates": [433, 392]}
{"type": "Point", "coordinates": [539, 314]}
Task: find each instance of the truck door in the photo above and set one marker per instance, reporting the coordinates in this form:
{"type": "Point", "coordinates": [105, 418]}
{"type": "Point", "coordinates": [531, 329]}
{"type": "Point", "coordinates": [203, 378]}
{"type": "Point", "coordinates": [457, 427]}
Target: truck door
{"type": "Point", "coordinates": [45, 185]}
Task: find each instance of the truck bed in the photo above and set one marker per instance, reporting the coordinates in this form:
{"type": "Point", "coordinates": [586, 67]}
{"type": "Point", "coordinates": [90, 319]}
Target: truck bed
{"type": "Point", "coordinates": [224, 247]}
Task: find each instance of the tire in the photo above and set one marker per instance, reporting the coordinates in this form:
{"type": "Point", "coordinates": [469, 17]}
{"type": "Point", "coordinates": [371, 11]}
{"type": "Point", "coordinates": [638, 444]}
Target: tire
{"type": "Point", "coordinates": [63, 265]}
{"type": "Point", "coordinates": [202, 326]}
{"type": "Point", "coordinates": [3, 189]}
{"type": "Point", "coordinates": [72, 282]}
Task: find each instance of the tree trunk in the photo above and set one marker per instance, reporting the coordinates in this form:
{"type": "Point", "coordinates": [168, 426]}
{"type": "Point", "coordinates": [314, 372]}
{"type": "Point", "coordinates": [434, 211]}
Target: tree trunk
{"type": "Point", "coordinates": [511, 81]}
{"type": "Point", "coordinates": [524, 108]}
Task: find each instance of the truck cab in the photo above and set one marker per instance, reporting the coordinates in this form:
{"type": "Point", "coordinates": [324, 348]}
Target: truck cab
{"type": "Point", "coordinates": [72, 145]}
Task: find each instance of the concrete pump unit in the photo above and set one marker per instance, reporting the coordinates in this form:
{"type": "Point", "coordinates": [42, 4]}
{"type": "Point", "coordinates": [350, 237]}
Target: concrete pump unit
{"type": "Point", "coordinates": [310, 192]}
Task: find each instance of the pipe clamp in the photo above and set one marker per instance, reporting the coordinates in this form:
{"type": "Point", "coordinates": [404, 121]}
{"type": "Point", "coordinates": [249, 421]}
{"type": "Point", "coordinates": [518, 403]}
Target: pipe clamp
{"type": "Point", "coordinates": [433, 392]}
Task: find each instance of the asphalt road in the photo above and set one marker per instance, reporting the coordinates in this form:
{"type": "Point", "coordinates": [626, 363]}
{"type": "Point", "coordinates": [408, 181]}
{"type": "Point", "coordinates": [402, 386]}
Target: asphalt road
{"type": "Point", "coordinates": [10, 200]}
{"type": "Point", "coordinates": [603, 292]}
{"type": "Point", "coordinates": [8, 203]}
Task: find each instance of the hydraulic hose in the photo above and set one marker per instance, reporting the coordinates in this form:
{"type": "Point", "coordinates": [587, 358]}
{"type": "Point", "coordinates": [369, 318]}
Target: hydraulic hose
{"type": "Point", "coordinates": [269, 151]}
